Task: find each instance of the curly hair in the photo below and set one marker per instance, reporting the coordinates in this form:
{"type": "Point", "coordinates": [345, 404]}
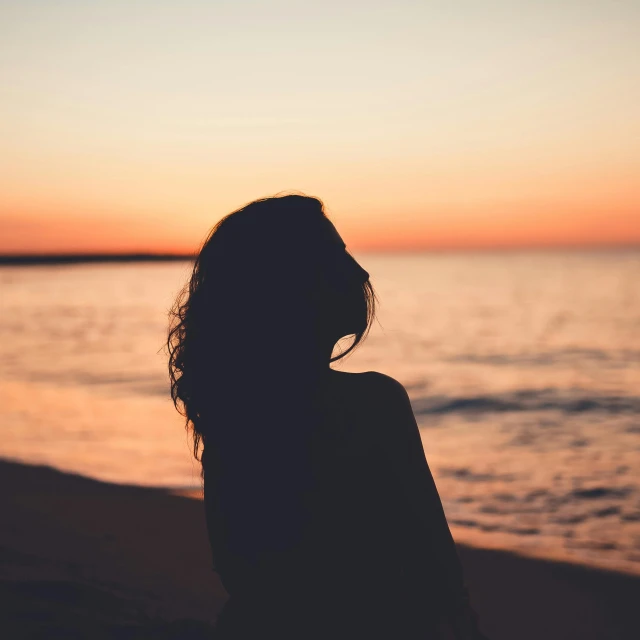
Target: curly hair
{"type": "Point", "coordinates": [269, 256]}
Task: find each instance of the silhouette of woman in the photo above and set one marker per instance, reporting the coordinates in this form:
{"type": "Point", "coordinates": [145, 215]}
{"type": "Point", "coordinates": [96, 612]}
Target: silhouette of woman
{"type": "Point", "coordinates": [323, 517]}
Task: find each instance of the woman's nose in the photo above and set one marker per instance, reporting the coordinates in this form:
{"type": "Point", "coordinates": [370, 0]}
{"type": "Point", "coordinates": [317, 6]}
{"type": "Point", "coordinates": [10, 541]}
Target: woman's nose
{"type": "Point", "coordinates": [361, 272]}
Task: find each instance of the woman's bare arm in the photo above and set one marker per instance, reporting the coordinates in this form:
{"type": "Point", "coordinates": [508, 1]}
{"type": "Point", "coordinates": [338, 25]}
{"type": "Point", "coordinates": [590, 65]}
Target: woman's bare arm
{"type": "Point", "coordinates": [402, 446]}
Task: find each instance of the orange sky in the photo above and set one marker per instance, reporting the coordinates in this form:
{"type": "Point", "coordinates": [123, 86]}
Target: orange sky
{"type": "Point", "coordinates": [135, 127]}
{"type": "Point", "coordinates": [533, 226]}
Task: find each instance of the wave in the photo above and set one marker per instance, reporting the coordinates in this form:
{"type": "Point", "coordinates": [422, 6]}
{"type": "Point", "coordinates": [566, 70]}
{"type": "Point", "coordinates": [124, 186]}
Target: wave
{"type": "Point", "coordinates": [564, 401]}
{"type": "Point", "coordinates": [617, 358]}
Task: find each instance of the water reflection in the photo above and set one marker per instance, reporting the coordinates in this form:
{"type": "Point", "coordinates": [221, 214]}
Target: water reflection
{"type": "Point", "coordinates": [522, 368]}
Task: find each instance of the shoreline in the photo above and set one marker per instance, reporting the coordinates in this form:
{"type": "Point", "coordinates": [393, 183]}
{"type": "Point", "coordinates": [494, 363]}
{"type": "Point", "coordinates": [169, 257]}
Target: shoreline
{"type": "Point", "coordinates": [91, 559]}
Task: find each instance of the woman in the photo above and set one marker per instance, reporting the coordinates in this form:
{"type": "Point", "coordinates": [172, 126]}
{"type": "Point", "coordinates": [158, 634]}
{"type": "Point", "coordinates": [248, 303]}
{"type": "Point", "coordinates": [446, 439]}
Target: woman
{"type": "Point", "coordinates": [323, 516]}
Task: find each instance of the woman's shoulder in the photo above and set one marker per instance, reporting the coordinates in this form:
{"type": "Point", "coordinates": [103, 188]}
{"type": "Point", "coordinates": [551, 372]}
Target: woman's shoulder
{"type": "Point", "coordinates": [378, 403]}
{"type": "Point", "coordinates": [374, 387]}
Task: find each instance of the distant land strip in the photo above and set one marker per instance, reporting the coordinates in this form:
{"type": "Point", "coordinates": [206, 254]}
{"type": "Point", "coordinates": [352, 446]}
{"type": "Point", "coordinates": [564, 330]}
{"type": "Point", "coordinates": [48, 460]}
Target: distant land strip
{"type": "Point", "coordinates": [79, 258]}
{"type": "Point", "coordinates": [26, 259]}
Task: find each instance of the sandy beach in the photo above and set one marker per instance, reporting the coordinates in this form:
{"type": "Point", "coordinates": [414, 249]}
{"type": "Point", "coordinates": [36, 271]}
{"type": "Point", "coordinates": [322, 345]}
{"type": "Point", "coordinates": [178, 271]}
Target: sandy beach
{"type": "Point", "coordinates": [86, 559]}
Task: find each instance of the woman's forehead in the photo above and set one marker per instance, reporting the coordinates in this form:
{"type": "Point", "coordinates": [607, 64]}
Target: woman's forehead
{"type": "Point", "coordinates": [333, 233]}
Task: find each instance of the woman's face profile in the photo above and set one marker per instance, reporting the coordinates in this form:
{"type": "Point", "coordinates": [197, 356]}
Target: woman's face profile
{"type": "Point", "coordinates": [345, 279]}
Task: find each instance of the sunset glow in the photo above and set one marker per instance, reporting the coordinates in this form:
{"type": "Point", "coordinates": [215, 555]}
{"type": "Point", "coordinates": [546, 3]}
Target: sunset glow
{"type": "Point", "coordinates": [135, 127]}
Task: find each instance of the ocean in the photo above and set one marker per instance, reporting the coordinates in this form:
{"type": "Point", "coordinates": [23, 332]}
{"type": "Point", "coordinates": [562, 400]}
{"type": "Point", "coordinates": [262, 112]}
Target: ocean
{"type": "Point", "coordinates": [523, 369]}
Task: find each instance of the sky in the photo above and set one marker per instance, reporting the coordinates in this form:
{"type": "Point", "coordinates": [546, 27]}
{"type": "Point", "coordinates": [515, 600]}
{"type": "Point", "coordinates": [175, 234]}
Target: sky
{"type": "Point", "coordinates": [135, 125]}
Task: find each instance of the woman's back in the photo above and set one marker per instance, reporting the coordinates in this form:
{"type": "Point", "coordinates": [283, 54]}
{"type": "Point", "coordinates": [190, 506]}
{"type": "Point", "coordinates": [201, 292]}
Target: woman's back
{"type": "Point", "coordinates": [356, 572]}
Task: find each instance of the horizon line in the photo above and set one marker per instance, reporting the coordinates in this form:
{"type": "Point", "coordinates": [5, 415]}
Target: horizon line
{"type": "Point", "coordinates": [52, 258]}
{"type": "Point", "coordinates": [19, 259]}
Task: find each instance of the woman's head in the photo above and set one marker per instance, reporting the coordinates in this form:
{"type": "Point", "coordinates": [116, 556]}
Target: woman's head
{"type": "Point", "coordinates": [272, 291]}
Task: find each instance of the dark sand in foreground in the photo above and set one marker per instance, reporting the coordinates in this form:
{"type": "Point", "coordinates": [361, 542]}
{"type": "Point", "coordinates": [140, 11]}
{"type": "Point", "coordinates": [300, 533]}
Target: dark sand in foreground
{"type": "Point", "coordinates": [85, 559]}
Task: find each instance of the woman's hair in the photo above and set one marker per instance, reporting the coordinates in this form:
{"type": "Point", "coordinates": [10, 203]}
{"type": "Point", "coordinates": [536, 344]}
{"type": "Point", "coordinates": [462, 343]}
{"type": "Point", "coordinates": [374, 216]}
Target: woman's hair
{"type": "Point", "coordinates": [249, 341]}
{"type": "Point", "coordinates": [259, 288]}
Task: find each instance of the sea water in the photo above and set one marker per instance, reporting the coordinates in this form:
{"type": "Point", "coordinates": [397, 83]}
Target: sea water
{"type": "Point", "coordinates": [523, 369]}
